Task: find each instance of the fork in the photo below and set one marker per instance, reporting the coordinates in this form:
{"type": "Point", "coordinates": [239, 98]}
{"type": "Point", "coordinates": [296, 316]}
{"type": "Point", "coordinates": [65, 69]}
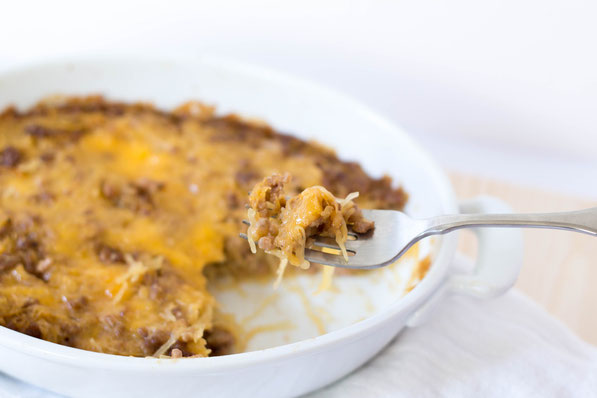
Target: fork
{"type": "Point", "coordinates": [395, 232]}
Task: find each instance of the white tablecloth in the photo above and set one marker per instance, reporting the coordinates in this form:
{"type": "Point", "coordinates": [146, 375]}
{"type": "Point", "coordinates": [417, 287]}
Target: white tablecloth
{"type": "Point", "coordinates": [506, 347]}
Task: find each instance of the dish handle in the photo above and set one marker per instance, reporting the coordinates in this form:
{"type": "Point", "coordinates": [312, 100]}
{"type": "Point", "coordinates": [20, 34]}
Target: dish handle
{"type": "Point", "coordinates": [497, 266]}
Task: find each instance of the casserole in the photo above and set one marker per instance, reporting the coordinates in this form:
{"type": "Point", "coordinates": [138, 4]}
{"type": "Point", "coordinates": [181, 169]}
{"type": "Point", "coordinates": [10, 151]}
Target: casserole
{"type": "Point", "coordinates": [115, 219]}
{"type": "Point", "coordinates": [309, 112]}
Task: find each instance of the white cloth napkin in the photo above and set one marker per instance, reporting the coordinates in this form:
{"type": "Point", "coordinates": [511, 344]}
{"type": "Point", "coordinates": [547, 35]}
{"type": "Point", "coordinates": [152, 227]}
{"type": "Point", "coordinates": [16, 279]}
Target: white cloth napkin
{"type": "Point", "coordinates": [506, 347]}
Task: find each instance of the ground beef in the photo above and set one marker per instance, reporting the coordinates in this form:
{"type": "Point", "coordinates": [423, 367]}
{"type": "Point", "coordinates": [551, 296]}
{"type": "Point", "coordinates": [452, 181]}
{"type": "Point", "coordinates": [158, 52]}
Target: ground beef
{"type": "Point", "coordinates": [30, 252]}
{"type": "Point", "coordinates": [137, 196]}
{"type": "Point", "coordinates": [10, 156]}
{"type": "Point", "coordinates": [22, 247]}
{"type": "Point", "coordinates": [219, 341]}
{"type": "Point", "coordinates": [33, 330]}
{"type": "Point", "coordinates": [47, 157]}
{"type": "Point", "coordinates": [43, 197]}
{"type": "Point", "coordinates": [153, 340]}
{"type": "Point", "coordinates": [8, 261]}
{"type": "Point", "coordinates": [233, 128]}
{"type": "Point", "coordinates": [232, 201]}
{"type": "Point", "coordinates": [179, 350]}
{"type": "Point", "coordinates": [42, 132]}
{"type": "Point", "coordinates": [77, 304]}
{"type": "Point", "coordinates": [108, 254]}
{"type": "Point", "coordinates": [246, 178]}
{"type": "Point", "coordinates": [363, 226]}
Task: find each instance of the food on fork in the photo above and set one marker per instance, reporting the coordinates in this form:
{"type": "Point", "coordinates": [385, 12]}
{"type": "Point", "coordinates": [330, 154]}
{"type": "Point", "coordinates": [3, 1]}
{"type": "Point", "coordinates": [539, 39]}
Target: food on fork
{"type": "Point", "coordinates": [286, 227]}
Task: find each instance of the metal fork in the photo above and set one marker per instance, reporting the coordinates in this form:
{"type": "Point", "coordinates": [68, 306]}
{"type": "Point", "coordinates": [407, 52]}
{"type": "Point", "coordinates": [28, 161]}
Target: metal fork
{"type": "Point", "coordinates": [395, 233]}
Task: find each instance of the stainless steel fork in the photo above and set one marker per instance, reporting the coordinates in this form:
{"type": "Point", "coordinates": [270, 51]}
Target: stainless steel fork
{"type": "Point", "coordinates": [395, 233]}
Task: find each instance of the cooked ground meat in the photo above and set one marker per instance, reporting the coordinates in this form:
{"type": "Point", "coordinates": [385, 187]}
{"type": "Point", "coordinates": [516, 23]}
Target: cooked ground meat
{"type": "Point", "coordinates": [246, 178]}
{"type": "Point", "coordinates": [152, 340]}
{"type": "Point", "coordinates": [77, 304]}
{"type": "Point", "coordinates": [10, 156]}
{"type": "Point", "coordinates": [362, 226]}
{"type": "Point", "coordinates": [134, 195]}
{"type": "Point", "coordinates": [220, 341]}
{"type": "Point", "coordinates": [22, 247]}
{"type": "Point", "coordinates": [39, 131]}
{"type": "Point", "coordinates": [8, 261]}
{"type": "Point", "coordinates": [108, 254]}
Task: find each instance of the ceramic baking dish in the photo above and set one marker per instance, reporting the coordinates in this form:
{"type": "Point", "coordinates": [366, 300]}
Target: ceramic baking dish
{"type": "Point", "coordinates": [297, 361]}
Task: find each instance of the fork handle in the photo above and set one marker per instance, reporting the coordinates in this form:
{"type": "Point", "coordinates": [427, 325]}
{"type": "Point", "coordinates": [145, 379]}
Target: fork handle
{"type": "Point", "coordinates": [584, 221]}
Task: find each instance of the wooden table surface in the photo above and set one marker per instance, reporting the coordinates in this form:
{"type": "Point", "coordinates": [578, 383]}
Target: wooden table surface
{"type": "Point", "coordinates": [560, 268]}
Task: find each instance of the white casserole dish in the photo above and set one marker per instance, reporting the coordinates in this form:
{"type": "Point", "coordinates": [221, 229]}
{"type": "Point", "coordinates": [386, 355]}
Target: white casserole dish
{"type": "Point", "coordinates": [289, 105]}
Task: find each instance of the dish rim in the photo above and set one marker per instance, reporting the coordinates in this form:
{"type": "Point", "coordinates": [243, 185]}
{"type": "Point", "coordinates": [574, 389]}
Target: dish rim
{"type": "Point", "coordinates": [423, 290]}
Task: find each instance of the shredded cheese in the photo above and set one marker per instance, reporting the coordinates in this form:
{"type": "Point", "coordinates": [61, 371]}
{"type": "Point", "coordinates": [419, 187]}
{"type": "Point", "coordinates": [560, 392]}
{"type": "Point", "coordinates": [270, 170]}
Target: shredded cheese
{"type": "Point", "coordinates": [166, 346]}
{"type": "Point", "coordinates": [251, 230]}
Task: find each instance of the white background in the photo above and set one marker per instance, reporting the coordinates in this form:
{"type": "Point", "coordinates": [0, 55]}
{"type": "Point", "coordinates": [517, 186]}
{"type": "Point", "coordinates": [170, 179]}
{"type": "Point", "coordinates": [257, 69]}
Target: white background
{"type": "Point", "coordinates": [504, 89]}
